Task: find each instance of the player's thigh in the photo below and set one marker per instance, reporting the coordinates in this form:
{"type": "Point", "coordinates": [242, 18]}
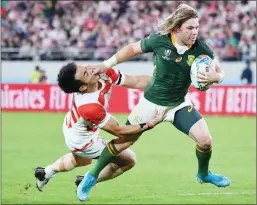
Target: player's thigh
{"type": "Point", "coordinates": [172, 112]}
{"type": "Point", "coordinates": [199, 132]}
{"type": "Point", "coordinates": [74, 141]}
{"type": "Point", "coordinates": [94, 150]}
{"type": "Point", "coordinates": [81, 161]}
{"type": "Point", "coordinates": [185, 118]}
{"type": "Point", "coordinates": [125, 157]}
{"type": "Point", "coordinates": [143, 112]}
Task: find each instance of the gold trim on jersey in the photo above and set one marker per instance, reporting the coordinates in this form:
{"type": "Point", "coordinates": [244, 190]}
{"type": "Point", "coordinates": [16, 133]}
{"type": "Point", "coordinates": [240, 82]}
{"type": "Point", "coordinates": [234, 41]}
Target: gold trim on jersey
{"type": "Point", "coordinates": [173, 40]}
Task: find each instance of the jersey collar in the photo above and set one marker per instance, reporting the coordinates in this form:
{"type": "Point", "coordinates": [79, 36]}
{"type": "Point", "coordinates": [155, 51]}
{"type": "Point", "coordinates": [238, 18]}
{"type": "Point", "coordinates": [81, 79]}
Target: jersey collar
{"type": "Point", "coordinates": [172, 36]}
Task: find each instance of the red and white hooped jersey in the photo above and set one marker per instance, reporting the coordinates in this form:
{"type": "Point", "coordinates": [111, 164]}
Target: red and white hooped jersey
{"type": "Point", "coordinates": [89, 112]}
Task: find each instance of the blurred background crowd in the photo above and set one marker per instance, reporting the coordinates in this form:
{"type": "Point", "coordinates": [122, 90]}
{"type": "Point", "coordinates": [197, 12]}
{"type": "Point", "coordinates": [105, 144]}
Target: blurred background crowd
{"type": "Point", "coordinates": [86, 30]}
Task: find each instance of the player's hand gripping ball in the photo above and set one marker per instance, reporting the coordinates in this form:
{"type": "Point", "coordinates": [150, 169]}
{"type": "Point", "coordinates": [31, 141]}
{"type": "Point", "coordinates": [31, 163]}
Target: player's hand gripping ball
{"type": "Point", "coordinates": [201, 64]}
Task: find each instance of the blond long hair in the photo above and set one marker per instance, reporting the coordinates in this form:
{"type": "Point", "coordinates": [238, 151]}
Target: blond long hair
{"type": "Point", "coordinates": [176, 19]}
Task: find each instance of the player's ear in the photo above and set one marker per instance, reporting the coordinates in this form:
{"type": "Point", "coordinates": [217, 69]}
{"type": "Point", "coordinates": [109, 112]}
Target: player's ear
{"type": "Point", "coordinates": [82, 88]}
{"type": "Point", "coordinates": [177, 30]}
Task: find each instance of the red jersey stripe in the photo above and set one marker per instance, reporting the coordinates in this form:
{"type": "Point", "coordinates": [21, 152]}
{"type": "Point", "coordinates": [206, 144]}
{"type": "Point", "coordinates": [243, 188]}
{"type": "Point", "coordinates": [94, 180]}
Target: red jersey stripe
{"type": "Point", "coordinates": [76, 109]}
{"type": "Point", "coordinates": [73, 116]}
{"type": "Point", "coordinates": [84, 147]}
{"type": "Point", "coordinates": [103, 92]}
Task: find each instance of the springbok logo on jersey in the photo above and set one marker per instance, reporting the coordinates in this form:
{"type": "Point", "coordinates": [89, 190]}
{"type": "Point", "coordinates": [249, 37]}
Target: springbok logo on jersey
{"type": "Point", "coordinates": [166, 53]}
{"type": "Point", "coordinates": [190, 59]}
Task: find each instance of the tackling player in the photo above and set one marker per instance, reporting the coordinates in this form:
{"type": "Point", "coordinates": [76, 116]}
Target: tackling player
{"type": "Point", "coordinates": [81, 126]}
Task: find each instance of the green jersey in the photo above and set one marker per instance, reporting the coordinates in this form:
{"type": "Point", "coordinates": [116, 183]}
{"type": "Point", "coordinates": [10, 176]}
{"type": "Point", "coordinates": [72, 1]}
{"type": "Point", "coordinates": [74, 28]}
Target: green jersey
{"type": "Point", "coordinates": [171, 78]}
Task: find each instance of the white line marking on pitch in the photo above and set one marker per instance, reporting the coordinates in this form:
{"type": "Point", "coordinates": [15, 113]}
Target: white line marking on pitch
{"type": "Point", "coordinates": [218, 193]}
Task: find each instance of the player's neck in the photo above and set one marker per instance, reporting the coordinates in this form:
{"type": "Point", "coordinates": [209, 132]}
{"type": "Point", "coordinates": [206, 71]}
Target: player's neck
{"type": "Point", "coordinates": [175, 40]}
{"type": "Point", "coordinates": [178, 41]}
{"type": "Point", "coordinates": [92, 88]}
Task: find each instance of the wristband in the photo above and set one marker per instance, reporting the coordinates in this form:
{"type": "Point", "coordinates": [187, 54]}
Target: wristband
{"type": "Point", "coordinates": [121, 79]}
{"type": "Point", "coordinates": [111, 62]}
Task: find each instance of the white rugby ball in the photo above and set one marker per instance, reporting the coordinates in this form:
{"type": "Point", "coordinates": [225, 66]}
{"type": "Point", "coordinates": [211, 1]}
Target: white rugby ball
{"type": "Point", "coordinates": [201, 64]}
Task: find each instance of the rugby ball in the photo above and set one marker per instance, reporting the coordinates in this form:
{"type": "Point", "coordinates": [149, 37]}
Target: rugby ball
{"type": "Point", "coordinates": [201, 64]}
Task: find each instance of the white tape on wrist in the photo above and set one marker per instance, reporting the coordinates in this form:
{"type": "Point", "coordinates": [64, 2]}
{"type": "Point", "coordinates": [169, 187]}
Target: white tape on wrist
{"type": "Point", "coordinates": [111, 61]}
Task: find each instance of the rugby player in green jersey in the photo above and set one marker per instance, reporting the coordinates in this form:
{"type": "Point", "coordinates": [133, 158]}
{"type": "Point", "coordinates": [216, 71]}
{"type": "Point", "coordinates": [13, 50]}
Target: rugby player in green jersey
{"type": "Point", "coordinates": [174, 49]}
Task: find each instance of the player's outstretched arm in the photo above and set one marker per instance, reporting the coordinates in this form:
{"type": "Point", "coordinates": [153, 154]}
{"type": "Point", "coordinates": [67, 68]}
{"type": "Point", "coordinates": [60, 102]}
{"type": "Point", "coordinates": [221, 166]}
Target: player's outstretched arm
{"type": "Point", "coordinates": [124, 54]}
{"type": "Point", "coordinates": [114, 128]}
{"type": "Point", "coordinates": [136, 82]}
{"type": "Point", "coordinates": [128, 81]}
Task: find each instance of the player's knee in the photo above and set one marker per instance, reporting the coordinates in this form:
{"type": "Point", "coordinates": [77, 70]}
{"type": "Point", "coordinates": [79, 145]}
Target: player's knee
{"type": "Point", "coordinates": [205, 141]}
{"type": "Point", "coordinates": [132, 160]}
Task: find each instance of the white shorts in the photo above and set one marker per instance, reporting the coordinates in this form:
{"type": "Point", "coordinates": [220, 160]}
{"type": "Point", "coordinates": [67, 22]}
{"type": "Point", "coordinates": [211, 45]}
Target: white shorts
{"type": "Point", "coordinates": [145, 111]}
{"type": "Point", "coordinates": [88, 149]}
{"type": "Point", "coordinates": [93, 151]}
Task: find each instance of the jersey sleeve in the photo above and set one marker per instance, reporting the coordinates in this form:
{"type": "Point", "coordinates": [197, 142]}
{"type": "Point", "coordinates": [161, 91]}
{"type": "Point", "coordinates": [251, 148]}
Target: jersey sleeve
{"type": "Point", "coordinates": [208, 50]}
{"type": "Point", "coordinates": [148, 43]}
{"type": "Point", "coordinates": [117, 77]}
{"type": "Point", "coordinates": [94, 113]}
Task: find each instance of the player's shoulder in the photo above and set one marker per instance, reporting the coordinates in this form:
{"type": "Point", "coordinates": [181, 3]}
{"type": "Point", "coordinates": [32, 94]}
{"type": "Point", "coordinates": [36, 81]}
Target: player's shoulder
{"type": "Point", "coordinates": [156, 37]}
{"type": "Point", "coordinates": [92, 107]}
{"type": "Point", "coordinates": [204, 48]}
{"type": "Point", "coordinates": [203, 45]}
{"type": "Point", "coordinates": [93, 112]}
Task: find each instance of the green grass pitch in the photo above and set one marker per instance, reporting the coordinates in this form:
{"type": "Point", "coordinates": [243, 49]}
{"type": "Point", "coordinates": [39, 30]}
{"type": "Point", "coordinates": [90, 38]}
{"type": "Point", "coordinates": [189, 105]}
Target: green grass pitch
{"type": "Point", "coordinates": [165, 170]}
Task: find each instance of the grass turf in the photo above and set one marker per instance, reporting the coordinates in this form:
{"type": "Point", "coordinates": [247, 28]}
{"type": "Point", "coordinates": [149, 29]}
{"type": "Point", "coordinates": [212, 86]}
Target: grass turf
{"type": "Point", "coordinates": [165, 170]}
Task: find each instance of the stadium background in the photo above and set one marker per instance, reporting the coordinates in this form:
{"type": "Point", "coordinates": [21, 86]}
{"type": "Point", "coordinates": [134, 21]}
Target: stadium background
{"type": "Point", "coordinates": [50, 33]}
